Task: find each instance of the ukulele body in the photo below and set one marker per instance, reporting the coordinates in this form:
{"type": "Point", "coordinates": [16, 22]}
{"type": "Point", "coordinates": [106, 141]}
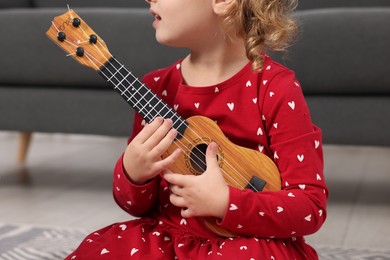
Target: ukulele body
{"type": "Point", "coordinates": [238, 164]}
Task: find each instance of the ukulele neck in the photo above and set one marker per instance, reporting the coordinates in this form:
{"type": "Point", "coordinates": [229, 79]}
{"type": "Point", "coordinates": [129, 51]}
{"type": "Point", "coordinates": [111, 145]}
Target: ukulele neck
{"type": "Point", "coordinates": [141, 98]}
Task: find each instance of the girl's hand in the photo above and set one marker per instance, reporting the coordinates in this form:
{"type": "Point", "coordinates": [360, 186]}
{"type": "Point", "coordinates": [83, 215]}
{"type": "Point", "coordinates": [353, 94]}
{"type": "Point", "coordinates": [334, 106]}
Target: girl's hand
{"type": "Point", "coordinates": [203, 195]}
{"type": "Point", "coordinates": [142, 158]}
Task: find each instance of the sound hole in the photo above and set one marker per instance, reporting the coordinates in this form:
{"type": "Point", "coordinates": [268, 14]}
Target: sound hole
{"type": "Point", "coordinates": [198, 158]}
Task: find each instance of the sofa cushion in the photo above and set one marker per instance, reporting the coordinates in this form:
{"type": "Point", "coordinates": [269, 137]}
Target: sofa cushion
{"type": "Point", "coordinates": [310, 4]}
{"type": "Point", "coordinates": [15, 3]}
{"type": "Point", "coordinates": [33, 59]}
{"type": "Point", "coordinates": [342, 51]}
{"type": "Point", "coordinates": [90, 3]}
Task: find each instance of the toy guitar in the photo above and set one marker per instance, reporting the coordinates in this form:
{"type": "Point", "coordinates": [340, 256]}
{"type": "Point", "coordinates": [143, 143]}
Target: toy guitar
{"type": "Point", "coordinates": [241, 167]}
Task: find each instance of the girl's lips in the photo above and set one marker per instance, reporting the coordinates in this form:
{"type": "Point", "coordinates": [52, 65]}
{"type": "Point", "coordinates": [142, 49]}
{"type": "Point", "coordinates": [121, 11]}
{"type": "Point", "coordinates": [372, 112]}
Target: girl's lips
{"type": "Point", "coordinates": [155, 15]}
{"type": "Point", "coordinates": [157, 18]}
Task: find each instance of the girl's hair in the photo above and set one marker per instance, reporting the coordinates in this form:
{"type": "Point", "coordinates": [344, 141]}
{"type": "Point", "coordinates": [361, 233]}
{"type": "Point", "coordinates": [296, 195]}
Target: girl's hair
{"type": "Point", "coordinates": [263, 24]}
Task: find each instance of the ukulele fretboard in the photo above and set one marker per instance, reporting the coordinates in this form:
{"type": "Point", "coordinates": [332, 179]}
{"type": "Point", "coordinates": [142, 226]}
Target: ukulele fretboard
{"type": "Point", "coordinates": [141, 98]}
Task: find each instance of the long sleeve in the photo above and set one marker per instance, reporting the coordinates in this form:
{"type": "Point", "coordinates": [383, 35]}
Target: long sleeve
{"type": "Point", "coordinates": [264, 111]}
{"type": "Point", "coordinates": [137, 200]}
{"type": "Point", "coordinates": [134, 199]}
{"type": "Point", "coordinates": [295, 146]}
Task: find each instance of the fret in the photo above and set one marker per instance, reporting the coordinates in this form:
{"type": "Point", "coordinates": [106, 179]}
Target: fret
{"type": "Point", "coordinates": [152, 108]}
{"type": "Point", "coordinates": [120, 83]}
{"type": "Point", "coordinates": [132, 94]}
{"type": "Point", "coordinates": [146, 105]}
{"type": "Point", "coordinates": [163, 113]}
{"type": "Point", "coordinates": [170, 114]}
{"type": "Point", "coordinates": [138, 87]}
{"type": "Point", "coordinates": [142, 99]}
{"type": "Point", "coordinates": [159, 105]}
{"type": "Point", "coordinates": [113, 75]}
{"type": "Point", "coordinates": [127, 89]}
{"type": "Point", "coordinates": [176, 120]}
{"type": "Point", "coordinates": [136, 104]}
{"type": "Point", "coordinates": [132, 83]}
{"type": "Point", "coordinates": [180, 125]}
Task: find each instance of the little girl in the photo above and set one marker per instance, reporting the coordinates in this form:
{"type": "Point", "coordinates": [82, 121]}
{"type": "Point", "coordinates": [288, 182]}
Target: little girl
{"type": "Point", "coordinates": [258, 104]}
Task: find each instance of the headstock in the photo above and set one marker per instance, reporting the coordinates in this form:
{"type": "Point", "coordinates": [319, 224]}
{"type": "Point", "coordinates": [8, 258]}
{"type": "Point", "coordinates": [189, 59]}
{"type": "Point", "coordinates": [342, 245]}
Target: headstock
{"type": "Point", "coordinates": [74, 36]}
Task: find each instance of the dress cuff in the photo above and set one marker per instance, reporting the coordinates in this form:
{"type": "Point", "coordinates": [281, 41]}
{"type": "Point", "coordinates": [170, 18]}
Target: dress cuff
{"type": "Point", "coordinates": [122, 177]}
{"type": "Point", "coordinates": [230, 221]}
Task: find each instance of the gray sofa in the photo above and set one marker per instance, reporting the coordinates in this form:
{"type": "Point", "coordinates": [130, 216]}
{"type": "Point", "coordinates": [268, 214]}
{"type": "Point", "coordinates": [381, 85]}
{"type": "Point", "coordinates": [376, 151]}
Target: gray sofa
{"type": "Point", "coordinates": [341, 57]}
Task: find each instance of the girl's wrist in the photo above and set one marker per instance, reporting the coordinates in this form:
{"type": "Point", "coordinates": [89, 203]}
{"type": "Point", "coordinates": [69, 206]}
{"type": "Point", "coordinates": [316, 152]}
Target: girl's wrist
{"type": "Point", "coordinates": [222, 203]}
{"type": "Point", "coordinates": [132, 178]}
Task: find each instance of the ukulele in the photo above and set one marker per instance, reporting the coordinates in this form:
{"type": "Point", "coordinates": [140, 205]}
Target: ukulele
{"type": "Point", "coordinates": [241, 167]}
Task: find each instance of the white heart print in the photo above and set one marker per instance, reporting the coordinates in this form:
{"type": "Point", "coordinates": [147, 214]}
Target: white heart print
{"type": "Point", "coordinates": [133, 251]}
{"type": "Point", "coordinates": [233, 207]}
{"type": "Point", "coordinates": [292, 105]}
{"type": "Point", "coordinates": [104, 251]}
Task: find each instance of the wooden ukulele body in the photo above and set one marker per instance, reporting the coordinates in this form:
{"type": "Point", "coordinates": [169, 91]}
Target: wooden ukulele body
{"type": "Point", "coordinates": [238, 164]}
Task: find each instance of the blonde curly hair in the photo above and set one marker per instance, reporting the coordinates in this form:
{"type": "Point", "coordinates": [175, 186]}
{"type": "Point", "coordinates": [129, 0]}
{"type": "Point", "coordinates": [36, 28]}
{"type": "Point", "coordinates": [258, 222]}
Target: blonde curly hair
{"type": "Point", "coordinates": [263, 24]}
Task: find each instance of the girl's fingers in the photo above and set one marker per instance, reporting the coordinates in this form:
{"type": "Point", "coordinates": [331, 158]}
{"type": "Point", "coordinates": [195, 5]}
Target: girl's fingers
{"type": "Point", "coordinates": [177, 179]}
{"type": "Point", "coordinates": [177, 200]}
{"type": "Point", "coordinates": [211, 155]}
{"type": "Point", "coordinates": [187, 213]}
{"type": "Point", "coordinates": [165, 163]}
{"type": "Point", "coordinates": [148, 130]}
{"type": "Point", "coordinates": [177, 190]}
{"type": "Point", "coordinates": [161, 147]}
{"type": "Point", "coordinates": [162, 132]}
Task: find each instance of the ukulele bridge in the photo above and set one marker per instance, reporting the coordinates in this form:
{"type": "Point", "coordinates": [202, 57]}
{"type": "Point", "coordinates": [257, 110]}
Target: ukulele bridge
{"type": "Point", "coordinates": [256, 184]}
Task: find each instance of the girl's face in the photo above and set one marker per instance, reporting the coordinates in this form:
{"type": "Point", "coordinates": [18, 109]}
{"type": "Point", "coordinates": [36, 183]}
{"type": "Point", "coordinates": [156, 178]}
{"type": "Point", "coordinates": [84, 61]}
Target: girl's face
{"type": "Point", "coordinates": [184, 23]}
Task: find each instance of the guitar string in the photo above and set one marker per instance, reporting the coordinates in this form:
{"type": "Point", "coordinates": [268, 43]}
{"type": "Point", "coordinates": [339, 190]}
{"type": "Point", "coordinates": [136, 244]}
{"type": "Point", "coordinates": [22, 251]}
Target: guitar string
{"type": "Point", "coordinates": [143, 97]}
{"type": "Point", "coordinates": [52, 22]}
{"type": "Point", "coordinates": [70, 13]}
{"type": "Point", "coordinates": [201, 152]}
{"type": "Point", "coordinates": [136, 79]}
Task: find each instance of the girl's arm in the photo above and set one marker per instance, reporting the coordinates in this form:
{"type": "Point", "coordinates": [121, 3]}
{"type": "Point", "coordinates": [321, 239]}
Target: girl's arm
{"type": "Point", "coordinates": [137, 200]}
{"type": "Point", "coordinates": [295, 143]}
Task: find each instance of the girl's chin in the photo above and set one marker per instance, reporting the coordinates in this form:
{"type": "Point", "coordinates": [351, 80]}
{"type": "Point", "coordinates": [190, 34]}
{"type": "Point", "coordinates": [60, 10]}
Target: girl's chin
{"type": "Point", "coordinates": [168, 42]}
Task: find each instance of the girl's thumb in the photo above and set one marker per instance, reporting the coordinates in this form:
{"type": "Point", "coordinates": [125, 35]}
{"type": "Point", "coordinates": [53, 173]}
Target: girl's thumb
{"type": "Point", "coordinates": [211, 155]}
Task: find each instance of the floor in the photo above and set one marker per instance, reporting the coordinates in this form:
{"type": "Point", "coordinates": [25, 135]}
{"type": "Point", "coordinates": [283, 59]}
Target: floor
{"type": "Point", "coordinates": [66, 182]}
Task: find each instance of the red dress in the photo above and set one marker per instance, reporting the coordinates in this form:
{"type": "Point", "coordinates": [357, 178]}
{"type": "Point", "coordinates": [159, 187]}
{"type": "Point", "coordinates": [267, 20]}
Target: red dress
{"type": "Point", "coordinates": [264, 111]}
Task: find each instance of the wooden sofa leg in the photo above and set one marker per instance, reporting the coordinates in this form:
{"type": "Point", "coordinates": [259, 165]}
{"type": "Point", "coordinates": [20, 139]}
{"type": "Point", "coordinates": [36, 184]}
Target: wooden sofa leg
{"type": "Point", "coordinates": [24, 142]}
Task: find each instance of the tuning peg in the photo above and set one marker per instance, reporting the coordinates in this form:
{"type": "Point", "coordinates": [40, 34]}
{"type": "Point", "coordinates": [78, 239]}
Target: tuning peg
{"type": "Point", "coordinates": [93, 39]}
{"type": "Point", "coordinates": [61, 36]}
{"type": "Point", "coordinates": [76, 22]}
{"type": "Point", "coordinates": [80, 51]}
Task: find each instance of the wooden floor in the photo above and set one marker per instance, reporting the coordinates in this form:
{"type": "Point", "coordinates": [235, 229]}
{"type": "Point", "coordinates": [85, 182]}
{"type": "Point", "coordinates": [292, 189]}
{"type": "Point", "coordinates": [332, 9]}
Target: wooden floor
{"type": "Point", "coordinates": [66, 182]}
